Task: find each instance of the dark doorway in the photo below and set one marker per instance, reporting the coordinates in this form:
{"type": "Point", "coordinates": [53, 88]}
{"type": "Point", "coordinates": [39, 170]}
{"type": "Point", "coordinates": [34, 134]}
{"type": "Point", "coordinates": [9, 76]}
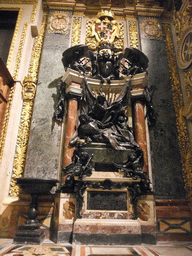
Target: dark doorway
{"type": "Point", "coordinates": [7, 26]}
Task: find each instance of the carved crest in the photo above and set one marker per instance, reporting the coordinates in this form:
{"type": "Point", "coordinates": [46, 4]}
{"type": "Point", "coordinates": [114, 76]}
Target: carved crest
{"type": "Point", "coordinates": [104, 30]}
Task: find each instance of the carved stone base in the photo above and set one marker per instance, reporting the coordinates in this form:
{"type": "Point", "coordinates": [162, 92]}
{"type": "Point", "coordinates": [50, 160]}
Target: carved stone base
{"type": "Point", "coordinates": [103, 232]}
{"type": "Point", "coordinates": [29, 236]}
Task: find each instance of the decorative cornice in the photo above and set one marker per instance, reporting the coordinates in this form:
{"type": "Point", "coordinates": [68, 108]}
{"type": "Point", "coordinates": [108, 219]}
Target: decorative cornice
{"type": "Point", "coordinates": [183, 139]}
{"type": "Point", "coordinates": [18, 1]}
{"type": "Point", "coordinates": [124, 8]}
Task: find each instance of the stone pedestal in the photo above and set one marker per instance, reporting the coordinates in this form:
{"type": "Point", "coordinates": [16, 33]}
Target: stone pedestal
{"type": "Point", "coordinates": [29, 236]}
{"type": "Point", "coordinates": [107, 231]}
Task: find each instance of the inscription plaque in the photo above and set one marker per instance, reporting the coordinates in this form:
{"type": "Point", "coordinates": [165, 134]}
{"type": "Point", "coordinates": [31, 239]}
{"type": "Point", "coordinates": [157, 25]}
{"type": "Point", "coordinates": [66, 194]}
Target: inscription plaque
{"type": "Point", "coordinates": [107, 200]}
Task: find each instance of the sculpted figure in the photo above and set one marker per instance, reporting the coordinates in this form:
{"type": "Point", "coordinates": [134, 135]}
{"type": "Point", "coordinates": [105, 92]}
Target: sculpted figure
{"type": "Point", "coordinates": [133, 168]}
{"type": "Point", "coordinates": [102, 121]}
{"type": "Point", "coordinates": [81, 167]}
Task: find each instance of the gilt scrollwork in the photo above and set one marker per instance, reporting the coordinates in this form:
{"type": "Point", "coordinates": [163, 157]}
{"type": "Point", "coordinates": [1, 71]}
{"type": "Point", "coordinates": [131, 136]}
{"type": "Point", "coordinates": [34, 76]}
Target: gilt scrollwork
{"type": "Point", "coordinates": [29, 90]}
{"type": "Point", "coordinates": [76, 31]}
{"type": "Point", "coordinates": [34, 11]}
{"type": "Point", "coordinates": [59, 23]}
{"type": "Point", "coordinates": [184, 143]}
{"type": "Point", "coordinates": [183, 27]}
{"type": "Point", "coordinates": [9, 104]}
{"type": "Point", "coordinates": [184, 52]}
{"type": "Point", "coordinates": [188, 82]}
{"type": "Point", "coordinates": [104, 30]}
{"type": "Point", "coordinates": [133, 34]}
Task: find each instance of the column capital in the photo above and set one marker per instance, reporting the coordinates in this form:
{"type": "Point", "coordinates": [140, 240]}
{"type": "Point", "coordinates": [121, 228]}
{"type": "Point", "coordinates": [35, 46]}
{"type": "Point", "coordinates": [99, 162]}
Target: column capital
{"type": "Point", "coordinates": [74, 92]}
{"type": "Point", "coordinates": [72, 75]}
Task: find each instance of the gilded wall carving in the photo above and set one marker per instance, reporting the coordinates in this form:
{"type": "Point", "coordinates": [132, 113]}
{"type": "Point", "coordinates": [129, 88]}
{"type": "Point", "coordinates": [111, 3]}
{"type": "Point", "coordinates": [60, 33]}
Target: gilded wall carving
{"type": "Point", "coordinates": [16, 69]}
{"type": "Point", "coordinates": [184, 144]}
{"type": "Point", "coordinates": [151, 28]}
{"type": "Point", "coordinates": [133, 34]}
{"type": "Point", "coordinates": [183, 28]}
{"type": "Point", "coordinates": [188, 82]}
{"type": "Point", "coordinates": [34, 11]}
{"type": "Point", "coordinates": [76, 31]}
{"type": "Point", "coordinates": [18, 1]}
{"type": "Point", "coordinates": [29, 91]}
{"type": "Point", "coordinates": [59, 23]}
{"type": "Point", "coordinates": [10, 56]}
{"type": "Point", "coordinates": [104, 30]}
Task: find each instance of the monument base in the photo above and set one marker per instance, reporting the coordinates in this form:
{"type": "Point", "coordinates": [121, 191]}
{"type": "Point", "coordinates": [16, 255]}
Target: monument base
{"type": "Point", "coordinates": [107, 232]}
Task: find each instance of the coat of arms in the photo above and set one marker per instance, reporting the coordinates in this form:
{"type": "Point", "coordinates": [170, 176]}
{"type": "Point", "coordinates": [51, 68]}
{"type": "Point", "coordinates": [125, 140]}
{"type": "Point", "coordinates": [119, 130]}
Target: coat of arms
{"type": "Point", "coordinates": [59, 23]}
{"type": "Point", "coordinates": [105, 30]}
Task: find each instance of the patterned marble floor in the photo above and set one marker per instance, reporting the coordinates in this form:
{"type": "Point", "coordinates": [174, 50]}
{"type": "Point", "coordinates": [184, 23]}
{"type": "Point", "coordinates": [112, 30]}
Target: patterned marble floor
{"type": "Point", "coordinates": [48, 248]}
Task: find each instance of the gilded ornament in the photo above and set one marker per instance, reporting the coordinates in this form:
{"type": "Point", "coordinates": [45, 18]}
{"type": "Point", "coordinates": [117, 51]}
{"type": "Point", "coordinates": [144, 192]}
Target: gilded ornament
{"type": "Point", "coordinates": [177, 21]}
{"type": "Point", "coordinates": [183, 139]}
{"type": "Point", "coordinates": [10, 55]}
{"type": "Point", "coordinates": [184, 52]}
{"type": "Point", "coordinates": [104, 30]}
{"type": "Point", "coordinates": [29, 90]}
{"type": "Point", "coordinates": [188, 82]}
{"type": "Point", "coordinates": [133, 34]}
{"type": "Point", "coordinates": [105, 13]}
{"type": "Point", "coordinates": [151, 28]}
{"type": "Point", "coordinates": [34, 11]}
{"type": "Point", "coordinates": [76, 31]}
{"type": "Point", "coordinates": [19, 53]}
{"type": "Point", "coordinates": [9, 104]}
{"type": "Point", "coordinates": [5, 123]}
{"type": "Point", "coordinates": [183, 26]}
{"type": "Point", "coordinates": [59, 23]}
{"type": "Point", "coordinates": [18, 1]}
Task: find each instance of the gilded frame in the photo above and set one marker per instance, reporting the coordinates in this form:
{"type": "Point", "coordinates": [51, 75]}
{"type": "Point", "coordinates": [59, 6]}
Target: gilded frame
{"type": "Point", "coordinates": [8, 64]}
{"type": "Point", "coordinates": [10, 56]}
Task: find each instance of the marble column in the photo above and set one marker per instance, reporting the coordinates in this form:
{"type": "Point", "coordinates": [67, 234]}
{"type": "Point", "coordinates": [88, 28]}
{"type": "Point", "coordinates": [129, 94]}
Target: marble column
{"type": "Point", "coordinates": [71, 120]}
{"type": "Point", "coordinates": [140, 130]}
{"type": "Point", "coordinates": [73, 94]}
{"type": "Point", "coordinates": [138, 85]}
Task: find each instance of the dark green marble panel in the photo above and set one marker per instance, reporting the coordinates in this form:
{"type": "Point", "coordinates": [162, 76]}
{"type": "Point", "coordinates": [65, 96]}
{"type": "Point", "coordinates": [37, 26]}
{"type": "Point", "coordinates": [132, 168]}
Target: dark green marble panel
{"type": "Point", "coordinates": [45, 136]}
{"type": "Point", "coordinates": [166, 160]}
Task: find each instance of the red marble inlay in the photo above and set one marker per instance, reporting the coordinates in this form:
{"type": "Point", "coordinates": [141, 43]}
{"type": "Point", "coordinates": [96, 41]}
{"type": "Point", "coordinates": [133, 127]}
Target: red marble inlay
{"type": "Point", "coordinates": [71, 120]}
{"type": "Point", "coordinates": [106, 229]}
{"type": "Point", "coordinates": [140, 131]}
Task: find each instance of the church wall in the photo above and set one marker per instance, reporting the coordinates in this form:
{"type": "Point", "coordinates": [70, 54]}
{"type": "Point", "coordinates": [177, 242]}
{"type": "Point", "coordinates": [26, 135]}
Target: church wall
{"type": "Point", "coordinates": [45, 135]}
{"type": "Point", "coordinates": [165, 155]}
{"type": "Point", "coordinates": [18, 64]}
{"type": "Point", "coordinates": [29, 15]}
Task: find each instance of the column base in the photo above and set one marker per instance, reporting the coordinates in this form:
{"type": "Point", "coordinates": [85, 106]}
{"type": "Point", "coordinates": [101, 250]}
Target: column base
{"type": "Point", "coordinates": [29, 236]}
